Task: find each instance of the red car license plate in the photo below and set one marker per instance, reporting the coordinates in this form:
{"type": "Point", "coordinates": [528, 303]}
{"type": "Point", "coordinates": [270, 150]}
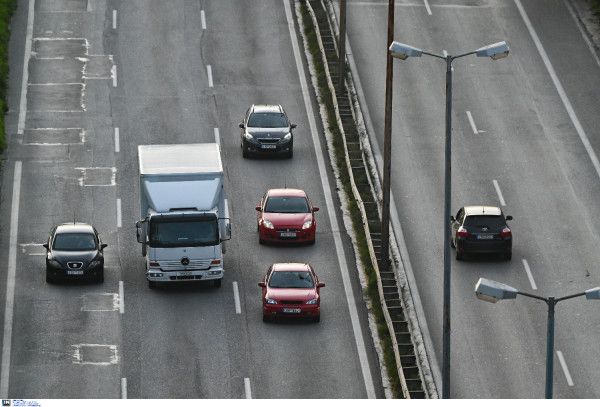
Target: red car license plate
{"type": "Point", "coordinates": [291, 310]}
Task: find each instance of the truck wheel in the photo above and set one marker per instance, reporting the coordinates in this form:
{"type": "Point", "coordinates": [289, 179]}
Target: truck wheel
{"type": "Point", "coordinates": [152, 284]}
{"type": "Point", "coordinates": [217, 283]}
{"type": "Point", "coordinates": [143, 249]}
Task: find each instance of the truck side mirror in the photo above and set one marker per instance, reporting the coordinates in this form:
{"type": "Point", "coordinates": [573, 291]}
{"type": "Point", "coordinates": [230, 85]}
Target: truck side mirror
{"type": "Point", "coordinates": [140, 230]}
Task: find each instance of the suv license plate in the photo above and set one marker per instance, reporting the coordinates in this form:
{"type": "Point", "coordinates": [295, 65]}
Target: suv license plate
{"type": "Point", "coordinates": [75, 272]}
{"type": "Point", "coordinates": [268, 146]}
{"type": "Point", "coordinates": [291, 310]}
{"type": "Point", "coordinates": [485, 237]}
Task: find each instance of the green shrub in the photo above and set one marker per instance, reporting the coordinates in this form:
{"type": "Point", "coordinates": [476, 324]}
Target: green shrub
{"type": "Point", "coordinates": [7, 8]}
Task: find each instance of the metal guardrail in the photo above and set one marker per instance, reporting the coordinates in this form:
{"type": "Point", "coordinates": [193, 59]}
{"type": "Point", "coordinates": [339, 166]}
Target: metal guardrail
{"type": "Point", "coordinates": [409, 362]}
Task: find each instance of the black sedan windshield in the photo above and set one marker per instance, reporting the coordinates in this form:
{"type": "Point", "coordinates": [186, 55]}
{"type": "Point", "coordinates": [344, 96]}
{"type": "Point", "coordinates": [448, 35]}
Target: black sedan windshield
{"type": "Point", "coordinates": [74, 242]}
{"type": "Point", "coordinates": [267, 120]}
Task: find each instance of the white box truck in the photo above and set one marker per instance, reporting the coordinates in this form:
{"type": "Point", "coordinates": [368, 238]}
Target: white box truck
{"type": "Point", "coordinates": [184, 217]}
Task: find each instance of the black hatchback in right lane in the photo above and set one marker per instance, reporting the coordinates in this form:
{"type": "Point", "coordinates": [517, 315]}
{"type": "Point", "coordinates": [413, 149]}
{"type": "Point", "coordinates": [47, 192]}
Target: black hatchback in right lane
{"type": "Point", "coordinates": [481, 229]}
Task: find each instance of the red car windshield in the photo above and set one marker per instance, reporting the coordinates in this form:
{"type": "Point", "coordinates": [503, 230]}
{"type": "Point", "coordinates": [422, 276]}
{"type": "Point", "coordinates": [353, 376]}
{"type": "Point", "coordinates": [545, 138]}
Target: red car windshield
{"type": "Point", "coordinates": [291, 279]}
{"type": "Point", "coordinates": [287, 204]}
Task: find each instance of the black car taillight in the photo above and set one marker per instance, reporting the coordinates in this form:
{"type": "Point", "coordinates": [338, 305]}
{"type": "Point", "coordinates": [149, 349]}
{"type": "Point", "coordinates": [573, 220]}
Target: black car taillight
{"type": "Point", "coordinates": [462, 232]}
{"type": "Point", "coordinates": [506, 232]}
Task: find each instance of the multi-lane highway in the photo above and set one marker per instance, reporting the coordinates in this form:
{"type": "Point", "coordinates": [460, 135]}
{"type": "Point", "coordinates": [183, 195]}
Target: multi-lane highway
{"type": "Point", "coordinates": [524, 138]}
{"type": "Point", "coordinates": [90, 81]}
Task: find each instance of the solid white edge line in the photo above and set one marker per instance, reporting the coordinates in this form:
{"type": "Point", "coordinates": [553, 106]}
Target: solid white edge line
{"type": "Point", "coordinates": [123, 387]}
{"type": "Point", "coordinates": [114, 20]}
{"type": "Point", "coordinates": [565, 369]}
{"type": "Point", "coordinates": [585, 37]}
{"type": "Point", "coordinates": [117, 141]}
{"type": "Point", "coordinates": [210, 78]}
{"type": "Point", "coordinates": [335, 230]}
{"type": "Point", "coordinates": [236, 298]}
{"type": "Point", "coordinates": [559, 88]}
{"type": "Point", "coordinates": [427, 7]}
{"type": "Point", "coordinates": [529, 275]}
{"type": "Point", "coordinates": [119, 217]}
{"type": "Point", "coordinates": [499, 193]}
{"type": "Point", "coordinates": [25, 79]}
{"type": "Point", "coordinates": [472, 123]}
{"type": "Point", "coordinates": [247, 388]}
{"type": "Point", "coordinates": [217, 137]}
{"type": "Point", "coordinates": [10, 282]}
{"type": "Point", "coordinates": [203, 18]}
{"type": "Point", "coordinates": [121, 298]}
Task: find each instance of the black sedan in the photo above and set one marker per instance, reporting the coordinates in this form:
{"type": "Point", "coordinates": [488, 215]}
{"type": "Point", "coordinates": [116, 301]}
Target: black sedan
{"type": "Point", "coordinates": [481, 229]}
{"type": "Point", "coordinates": [74, 252]}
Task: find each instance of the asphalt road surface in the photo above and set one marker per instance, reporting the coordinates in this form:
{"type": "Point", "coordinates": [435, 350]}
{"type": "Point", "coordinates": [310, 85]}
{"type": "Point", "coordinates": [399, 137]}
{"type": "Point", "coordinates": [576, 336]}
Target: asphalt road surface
{"type": "Point", "coordinates": [525, 137]}
{"type": "Point", "coordinates": [90, 81]}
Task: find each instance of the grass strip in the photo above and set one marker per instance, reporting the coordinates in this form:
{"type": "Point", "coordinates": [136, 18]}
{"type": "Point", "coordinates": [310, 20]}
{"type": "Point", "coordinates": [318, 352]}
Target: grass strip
{"type": "Point", "coordinates": [7, 8]}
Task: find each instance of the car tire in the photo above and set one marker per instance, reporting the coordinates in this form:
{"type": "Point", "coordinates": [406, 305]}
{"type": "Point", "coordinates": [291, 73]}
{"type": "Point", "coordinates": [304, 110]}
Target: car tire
{"type": "Point", "coordinates": [100, 278]}
{"type": "Point", "coordinates": [260, 240]}
{"type": "Point", "coordinates": [151, 284]}
{"type": "Point", "coordinates": [217, 283]}
{"type": "Point", "coordinates": [312, 242]}
{"type": "Point", "coordinates": [266, 318]}
{"type": "Point", "coordinates": [507, 256]}
{"type": "Point", "coordinates": [290, 154]}
{"type": "Point", "coordinates": [244, 153]}
{"type": "Point", "coordinates": [459, 256]}
{"type": "Point", "coordinates": [49, 278]}
{"type": "Point", "coordinates": [317, 318]}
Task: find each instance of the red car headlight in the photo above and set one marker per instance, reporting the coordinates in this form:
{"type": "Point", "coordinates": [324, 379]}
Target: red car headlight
{"type": "Point", "coordinates": [307, 224]}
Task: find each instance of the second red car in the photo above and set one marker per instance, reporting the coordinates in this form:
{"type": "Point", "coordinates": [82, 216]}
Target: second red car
{"type": "Point", "coordinates": [286, 215]}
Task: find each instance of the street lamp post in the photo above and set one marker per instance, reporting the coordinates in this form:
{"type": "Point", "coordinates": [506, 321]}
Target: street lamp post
{"type": "Point", "coordinates": [493, 291]}
{"type": "Point", "coordinates": [403, 51]}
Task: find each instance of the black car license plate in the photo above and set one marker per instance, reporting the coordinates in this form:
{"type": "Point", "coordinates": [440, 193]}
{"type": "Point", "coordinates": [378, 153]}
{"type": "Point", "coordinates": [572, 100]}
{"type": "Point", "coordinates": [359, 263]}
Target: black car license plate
{"type": "Point", "coordinates": [485, 237]}
{"type": "Point", "coordinates": [75, 272]}
{"type": "Point", "coordinates": [268, 146]}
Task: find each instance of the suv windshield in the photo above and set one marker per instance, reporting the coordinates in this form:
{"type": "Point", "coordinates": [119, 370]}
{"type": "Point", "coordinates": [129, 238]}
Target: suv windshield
{"type": "Point", "coordinates": [283, 204]}
{"type": "Point", "coordinates": [267, 120]}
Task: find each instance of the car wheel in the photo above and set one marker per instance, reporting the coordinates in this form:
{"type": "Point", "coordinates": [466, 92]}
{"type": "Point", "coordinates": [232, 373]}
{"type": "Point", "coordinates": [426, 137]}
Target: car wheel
{"type": "Point", "coordinates": [244, 153]}
{"type": "Point", "coordinates": [152, 284]}
{"type": "Point", "coordinates": [266, 318]}
{"type": "Point", "coordinates": [291, 154]}
{"type": "Point", "coordinates": [459, 256]}
{"type": "Point", "coordinates": [100, 278]}
{"type": "Point", "coordinates": [260, 240]}
{"type": "Point", "coordinates": [317, 318]}
{"type": "Point", "coordinates": [312, 242]}
{"type": "Point", "coordinates": [217, 283]}
{"type": "Point", "coordinates": [507, 256]}
{"type": "Point", "coordinates": [49, 278]}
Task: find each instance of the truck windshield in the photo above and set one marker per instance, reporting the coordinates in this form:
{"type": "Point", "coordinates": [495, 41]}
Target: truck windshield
{"type": "Point", "coordinates": [183, 232]}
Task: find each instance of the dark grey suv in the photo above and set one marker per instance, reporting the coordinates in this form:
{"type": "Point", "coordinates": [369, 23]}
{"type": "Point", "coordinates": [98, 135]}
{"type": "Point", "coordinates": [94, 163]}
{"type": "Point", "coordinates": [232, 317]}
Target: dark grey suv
{"type": "Point", "coordinates": [267, 130]}
{"type": "Point", "coordinates": [481, 229]}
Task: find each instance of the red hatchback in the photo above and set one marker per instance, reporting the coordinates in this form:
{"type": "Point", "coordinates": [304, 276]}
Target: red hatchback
{"type": "Point", "coordinates": [286, 215]}
{"type": "Point", "coordinates": [291, 290]}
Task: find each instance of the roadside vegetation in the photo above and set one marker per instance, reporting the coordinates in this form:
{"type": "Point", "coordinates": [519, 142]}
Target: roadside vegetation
{"type": "Point", "coordinates": [7, 8]}
{"type": "Point", "coordinates": [595, 7]}
{"type": "Point", "coordinates": [372, 290]}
